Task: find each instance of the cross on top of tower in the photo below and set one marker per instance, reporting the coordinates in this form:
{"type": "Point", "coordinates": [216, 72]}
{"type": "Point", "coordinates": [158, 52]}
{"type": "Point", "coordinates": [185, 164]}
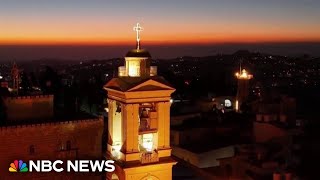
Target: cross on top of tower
{"type": "Point", "coordinates": [138, 28]}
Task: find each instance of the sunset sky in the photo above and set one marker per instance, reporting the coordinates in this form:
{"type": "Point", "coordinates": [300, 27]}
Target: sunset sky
{"type": "Point", "coordinates": [165, 21]}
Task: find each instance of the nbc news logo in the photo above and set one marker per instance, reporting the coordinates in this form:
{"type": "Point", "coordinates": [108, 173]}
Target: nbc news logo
{"type": "Point", "coordinates": [57, 166]}
{"type": "Point", "coordinates": [18, 166]}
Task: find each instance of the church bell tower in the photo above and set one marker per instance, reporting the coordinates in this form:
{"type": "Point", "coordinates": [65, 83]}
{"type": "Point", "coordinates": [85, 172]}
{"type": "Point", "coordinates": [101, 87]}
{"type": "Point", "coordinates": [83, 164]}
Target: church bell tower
{"type": "Point", "coordinates": [139, 119]}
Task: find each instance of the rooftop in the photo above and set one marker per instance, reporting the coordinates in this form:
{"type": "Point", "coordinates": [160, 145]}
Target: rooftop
{"type": "Point", "coordinates": [214, 143]}
{"type": "Point", "coordinates": [138, 53]}
{"type": "Point", "coordinates": [126, 83]}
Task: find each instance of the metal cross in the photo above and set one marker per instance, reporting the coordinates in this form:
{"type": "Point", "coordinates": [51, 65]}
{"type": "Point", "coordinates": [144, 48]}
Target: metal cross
{"type": "Point", "coordinates": [138, 29]}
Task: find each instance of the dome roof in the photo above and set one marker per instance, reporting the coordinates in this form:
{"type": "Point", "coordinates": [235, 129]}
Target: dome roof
{"type": "Point", "coordinates": [138, 53]}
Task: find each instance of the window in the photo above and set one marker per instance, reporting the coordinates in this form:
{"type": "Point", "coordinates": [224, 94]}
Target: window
{"type": "Point", "coordinates": [31, 150]}
{"type": "Point", "coordinates": [146, 142]}
{"type": "Point", "coordinates": [134, 68]}
{"type": "Point", "coordinates": [61, 146]}
{"type": "Point", "coordinates": [227, 103]}
{"type": "Point", "coordinates": [68, 146]}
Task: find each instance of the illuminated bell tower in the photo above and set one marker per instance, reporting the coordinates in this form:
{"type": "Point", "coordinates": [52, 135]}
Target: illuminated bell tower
{"type": "Point", "coordinates": [139, 120]}
{"type": "Point", "coordinates": [243, 87]}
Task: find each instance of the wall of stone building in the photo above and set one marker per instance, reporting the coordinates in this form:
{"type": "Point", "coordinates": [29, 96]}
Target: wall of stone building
{"type": "Point", "coordinates": [264, 132]}
{"type": "Point", "coordinates": [49, 141]}
{"type": "Point", "coordinates": [189, 136]}
{"type": "Point", "coordinates": [29, 107]}
{"type": "Point", "coordinates": [205, 159]}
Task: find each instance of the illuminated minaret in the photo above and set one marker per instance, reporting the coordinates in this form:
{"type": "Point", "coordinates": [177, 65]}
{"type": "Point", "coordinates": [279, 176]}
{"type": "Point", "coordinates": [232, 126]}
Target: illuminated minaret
{"type": "Point", "coordinates": [15, 78]}
{"type": "Point", "coordinates": [139, 119]}
{"type": "Point", "coordinates": [243, 87]}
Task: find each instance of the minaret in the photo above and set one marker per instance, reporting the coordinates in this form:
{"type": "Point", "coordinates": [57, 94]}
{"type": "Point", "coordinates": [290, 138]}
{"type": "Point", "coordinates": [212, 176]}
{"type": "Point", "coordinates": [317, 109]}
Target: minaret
{"type": "Point", "coordinates": [139, 119]}
{"type": "Point", "coordinates": [243, 87]}
{"type": "Point", "coordinates": [15, 78]}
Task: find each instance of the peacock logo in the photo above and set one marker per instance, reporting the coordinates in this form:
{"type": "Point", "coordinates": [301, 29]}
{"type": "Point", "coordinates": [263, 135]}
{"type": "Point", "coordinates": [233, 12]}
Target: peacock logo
{"type": "Point", "coordinates": [18, 166]}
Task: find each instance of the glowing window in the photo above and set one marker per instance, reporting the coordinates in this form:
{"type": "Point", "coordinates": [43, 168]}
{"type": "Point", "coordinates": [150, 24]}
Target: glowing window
{"type": "Point", "coordinates": [227, 103]}
{"type": "Point", "coordinates": [134, 68]}
{"type": "Point", "coordinates": [147, 141]}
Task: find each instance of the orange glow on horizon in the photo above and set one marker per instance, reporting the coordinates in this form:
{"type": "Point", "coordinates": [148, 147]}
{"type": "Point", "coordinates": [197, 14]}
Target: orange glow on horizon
{"type": "Point", "coordinates": [152, 35]}
{"type": "Point", "coordinates": [121, 33]}
{"type": "Point", "coordinates": [155, 40]}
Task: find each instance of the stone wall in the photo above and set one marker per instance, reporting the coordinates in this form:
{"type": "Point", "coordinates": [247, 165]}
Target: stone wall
{"type": "Point", "coordinates": [50, 141]}
{"type": "Point", "coordinates": [205, 159]}
{"type": "Point", "coordinates": [29, 107]}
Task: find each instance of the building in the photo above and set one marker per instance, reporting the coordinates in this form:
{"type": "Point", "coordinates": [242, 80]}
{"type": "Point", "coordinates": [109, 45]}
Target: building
{"type": "Point", "coordinates": [30, 130]}
{"type": "Point", "coordinates": [227, 102]}
{"type": "Point", "coordinates": [139, 119]}
{"type": "Point", "coordinates": [276, 109]}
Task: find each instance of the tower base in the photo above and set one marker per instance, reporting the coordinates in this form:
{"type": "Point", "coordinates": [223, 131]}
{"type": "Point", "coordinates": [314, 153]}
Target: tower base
{"type": "Point", "coordinates": [161, 170]}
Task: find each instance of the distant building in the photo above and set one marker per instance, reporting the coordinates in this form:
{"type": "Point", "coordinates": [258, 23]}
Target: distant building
{"type": "Point", "coordinates": [276, 109]}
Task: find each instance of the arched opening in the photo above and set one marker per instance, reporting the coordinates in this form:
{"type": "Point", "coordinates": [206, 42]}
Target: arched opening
{"type": "Point", "coordinates": [150, 177]}
{"type": "Point", "coordinates": [114, 177]}
{"type": "Point", "coordinates": [227, 103]}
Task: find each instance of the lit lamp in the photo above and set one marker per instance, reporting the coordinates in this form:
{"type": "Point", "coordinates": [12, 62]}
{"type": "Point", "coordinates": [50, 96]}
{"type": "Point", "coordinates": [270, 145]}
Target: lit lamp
{"type": "Point", "coordinates": [148, 145]}
{"type": "Point", "coordinates": [116, 150]}
{"type": "Point", "coordinates": [237, 105]}
{"type": "Point", "coordinates": [147, 142]}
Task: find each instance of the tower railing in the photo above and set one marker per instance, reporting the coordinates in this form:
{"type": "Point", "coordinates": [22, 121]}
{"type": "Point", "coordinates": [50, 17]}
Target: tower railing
{"type": "Point", "coordinates": [149, 157]}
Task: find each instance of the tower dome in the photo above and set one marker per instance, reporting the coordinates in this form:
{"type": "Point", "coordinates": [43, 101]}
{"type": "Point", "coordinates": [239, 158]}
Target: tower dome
{"type": "Point", "coordinates": [138, 53]}
{"type": "Point", "coordinates": [137, 61]}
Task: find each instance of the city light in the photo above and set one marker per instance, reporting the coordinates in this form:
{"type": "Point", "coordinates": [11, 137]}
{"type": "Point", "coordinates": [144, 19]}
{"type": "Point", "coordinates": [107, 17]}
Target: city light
{"type": "Point", "coordinates": [237, 105]}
